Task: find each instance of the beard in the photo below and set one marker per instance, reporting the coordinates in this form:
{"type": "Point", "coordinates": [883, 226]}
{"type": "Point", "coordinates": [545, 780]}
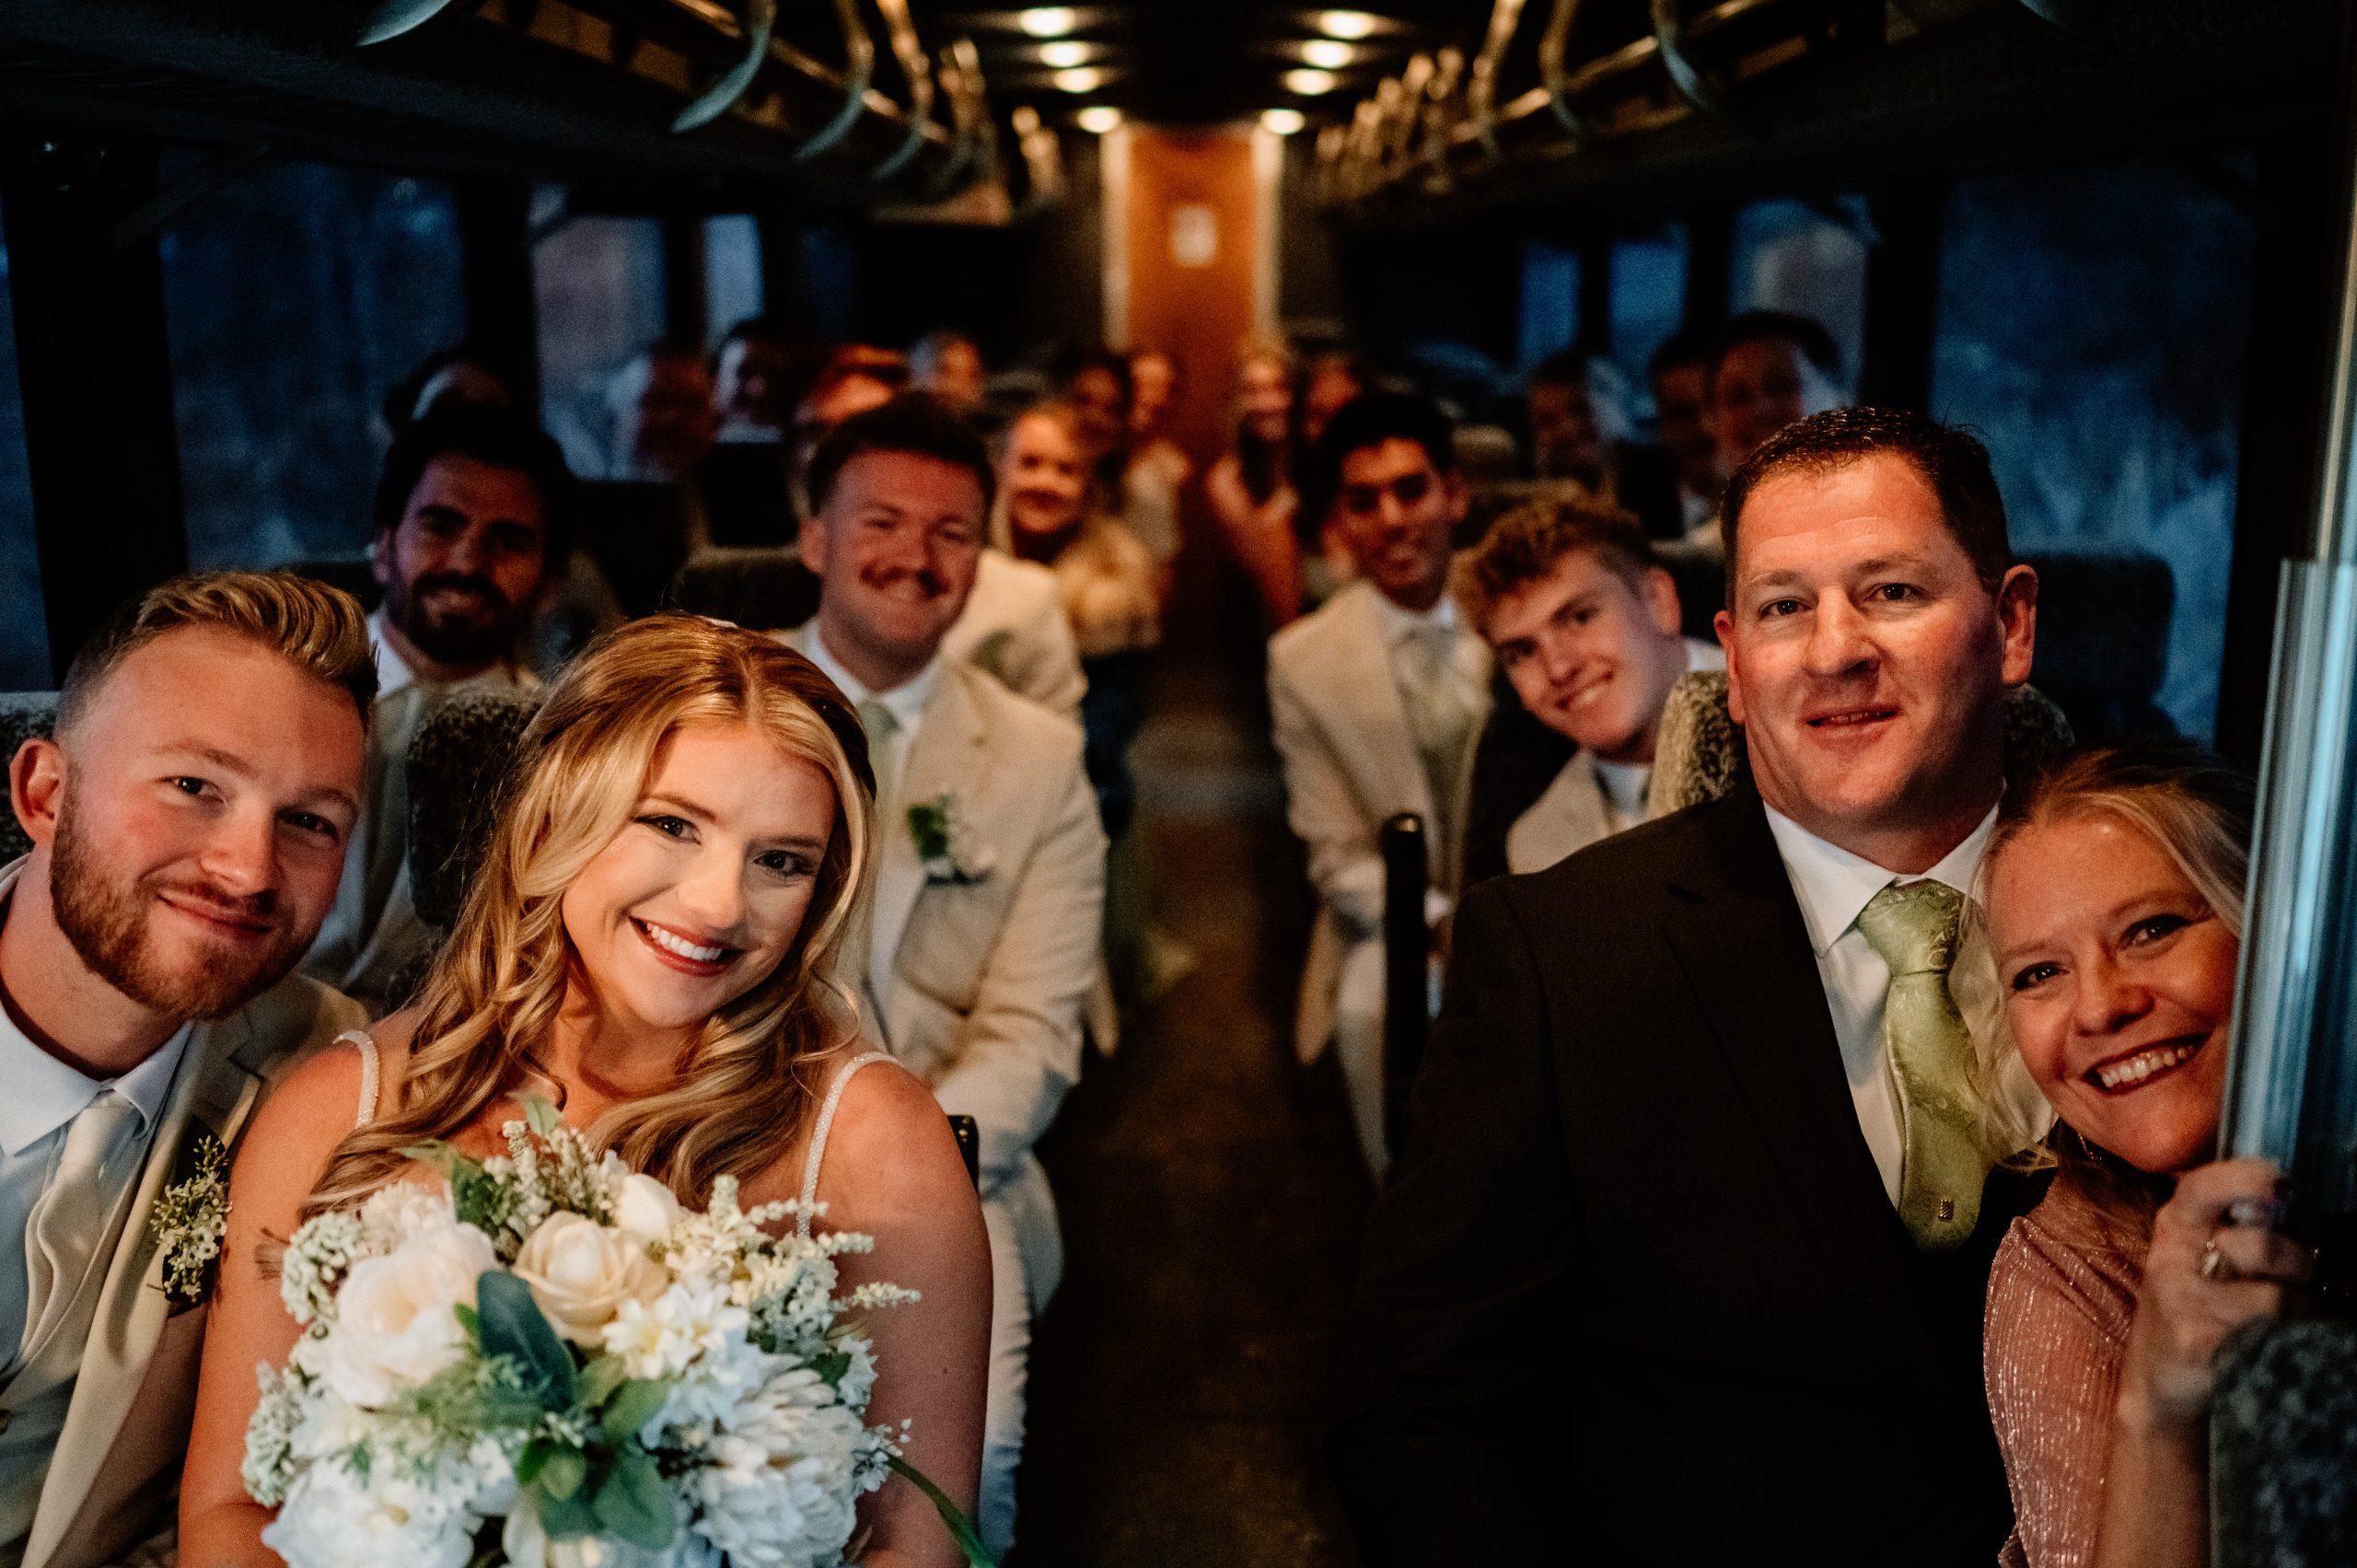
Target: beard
{"type": "Point", "coordinates": [106, 920]}
{"type": "Point", "coordinates": [476, 635]}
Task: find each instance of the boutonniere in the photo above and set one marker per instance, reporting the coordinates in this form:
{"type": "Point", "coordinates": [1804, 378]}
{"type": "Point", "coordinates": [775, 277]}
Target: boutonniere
{"type": "Point", "coordinates": [189, 1219]}
{"type": "Point", "coordinates": [945, 842]}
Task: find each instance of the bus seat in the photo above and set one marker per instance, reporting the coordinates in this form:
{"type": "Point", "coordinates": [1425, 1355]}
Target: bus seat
{"type": "Point", "coordinates": [459, 763]}
{"type": "Point", "coordinates": [24, 715]}
{"type": "Point", "coordinates": [1487, 454]}
{"type": "Point", "coordinates": [2103, 639]}
{"type": "Point", "coordinates": [764, 586]}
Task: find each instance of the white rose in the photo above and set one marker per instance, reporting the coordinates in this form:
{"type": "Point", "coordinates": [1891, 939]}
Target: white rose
{"type": "Point", "coordinates": [581, 1273]}
{"type": "Point", "coordinates": [526, 1544]}
{"type": "Point", "coordinates": [395, 1327]}
{"type": "Point", "coordinates": [645, 1207]}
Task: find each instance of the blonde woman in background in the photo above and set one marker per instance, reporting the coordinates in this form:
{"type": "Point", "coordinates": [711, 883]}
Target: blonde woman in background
{"type": "Point", "coordinates": [652, 946]}
{"type": "Point", "coordinates": [1252, 487]}
{"type": "Point", "coordinates": [2115, 904]}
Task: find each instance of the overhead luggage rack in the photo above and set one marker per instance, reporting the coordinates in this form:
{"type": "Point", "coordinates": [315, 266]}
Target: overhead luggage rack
{"type": "Point", "coordinates": [698, 102]}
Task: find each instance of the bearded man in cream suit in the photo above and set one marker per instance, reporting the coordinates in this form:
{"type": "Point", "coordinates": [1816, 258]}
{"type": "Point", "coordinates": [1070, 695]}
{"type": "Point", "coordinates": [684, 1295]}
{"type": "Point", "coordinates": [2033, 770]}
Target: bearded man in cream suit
{"type": "Point", "coordinates": [1376, 700]}
{"type": "Point", "coordinates": [990, 862]}
{"type": "Point", "coordinates": [189, 824]}
{"type": "Point", "coordinates": [1584, 621]}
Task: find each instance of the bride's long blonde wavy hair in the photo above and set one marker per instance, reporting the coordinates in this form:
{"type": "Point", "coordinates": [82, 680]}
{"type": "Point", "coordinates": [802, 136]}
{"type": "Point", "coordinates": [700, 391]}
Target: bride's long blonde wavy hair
{"type": "Point", "coordinates": [494, 991]}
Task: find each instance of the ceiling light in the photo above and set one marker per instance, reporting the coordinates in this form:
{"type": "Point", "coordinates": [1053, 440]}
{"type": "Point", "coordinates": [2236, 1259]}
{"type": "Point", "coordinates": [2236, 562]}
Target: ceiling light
{"type": "Point", "coordinates": [1049, 21]}
{"type": "Point", "coordinates": [1101, 118]}
{"type": "Point", "coordinates": [1063, 55]}
{"type": "Point", "coordinates": [1306, 82]}
{"type": "Point", "coordinates": [1328, 54]}
{"type": "Point", "coordinates": [1087, 79]}
{"type": "Point", "coordinates": [1283, 122]}
{"type": "Point", "coordinates": [1353, 24]}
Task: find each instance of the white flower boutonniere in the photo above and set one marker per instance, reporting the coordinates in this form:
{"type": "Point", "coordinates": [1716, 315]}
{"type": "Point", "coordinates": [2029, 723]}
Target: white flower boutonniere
{"type": "Point", "coordinates": [189, 1220]}
{"type": "Point", "coordinates": [944, 842]}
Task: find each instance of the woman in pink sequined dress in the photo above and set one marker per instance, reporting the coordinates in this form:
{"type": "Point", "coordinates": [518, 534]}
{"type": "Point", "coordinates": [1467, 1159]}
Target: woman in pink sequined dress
{"type": "Point", "coordinates": [2114, 893]}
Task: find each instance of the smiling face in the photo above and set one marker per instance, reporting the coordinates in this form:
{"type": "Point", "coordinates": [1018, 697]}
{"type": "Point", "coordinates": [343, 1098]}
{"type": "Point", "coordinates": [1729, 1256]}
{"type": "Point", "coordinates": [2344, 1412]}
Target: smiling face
{"type": "Point", "coordinates": [1154, 388]}
{"type": "Point", "coordinates": [2119, 985]}
{"type": "Point", "coordinates": [1264, 400]}
{"type": "Point", "coordinates": [1867, 664]}
{"type": "Point", "coordinates": [1398, 515]}
{"type": "Point", "coordinates": [1591, 653]}
{"type": "Point", "coordinates": [704, 892]}
{"type": "Point", "coordinates": [1044, 474]}
{"type": "Point", "coordinates": [463, 568]}
{"type": "Point", "coordinates": [1566, 438]}
{"type": "Point", "coordinates": [208, 792]}
{"type": "Point", "coordinates": [896, 548]}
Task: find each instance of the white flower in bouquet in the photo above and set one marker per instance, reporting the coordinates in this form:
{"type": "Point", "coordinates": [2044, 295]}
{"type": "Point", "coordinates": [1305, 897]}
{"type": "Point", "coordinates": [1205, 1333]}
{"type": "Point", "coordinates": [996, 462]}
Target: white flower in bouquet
{"type": "Point", "coordinates": [780, 1489]}
{"type": "Point", "coordinates": [395, 1326]}
{"type": "Point", "coordinates": [582, 1274]}
{"type": "Point", "coordinates": [644, 1207]}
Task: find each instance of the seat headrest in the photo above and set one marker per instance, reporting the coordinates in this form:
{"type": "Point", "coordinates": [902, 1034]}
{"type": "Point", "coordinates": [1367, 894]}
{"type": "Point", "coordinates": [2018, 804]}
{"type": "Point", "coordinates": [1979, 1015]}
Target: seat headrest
{"type": "Point", "coordinates": [459, 763]}
{"type": "Point", "coordinates": [1700, 755]}
{"type": "Point", "coordinates": [765, 587]}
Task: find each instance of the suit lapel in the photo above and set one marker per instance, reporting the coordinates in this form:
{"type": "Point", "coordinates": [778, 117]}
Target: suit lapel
{"type": "Point", "coordinates": [1739, 938]}
{"type": "Point", "coordinates": [215, 1090]}
{"type": "Point", "coordinates": [945, 759]}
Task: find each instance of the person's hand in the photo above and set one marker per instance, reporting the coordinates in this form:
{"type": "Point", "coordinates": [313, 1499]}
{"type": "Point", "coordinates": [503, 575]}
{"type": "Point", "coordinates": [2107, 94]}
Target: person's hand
{"type": "Point", "coordinates": [2216, 1262]}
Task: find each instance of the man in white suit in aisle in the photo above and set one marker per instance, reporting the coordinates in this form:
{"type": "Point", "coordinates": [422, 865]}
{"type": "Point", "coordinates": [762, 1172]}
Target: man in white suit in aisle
{"type": "Point", "coordinates": [188, 824]}
{"type": "Point", "coordinates": [1376, 700]}
{"type": "Point", "coordinates": [990, 862]}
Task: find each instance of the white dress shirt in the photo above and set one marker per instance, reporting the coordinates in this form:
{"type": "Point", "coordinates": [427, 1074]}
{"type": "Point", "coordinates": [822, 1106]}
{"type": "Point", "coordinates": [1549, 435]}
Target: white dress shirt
{"type": "Point", "coordinates": [44, 1097]}
{"type": "Point", "coordinates": [1833, 887]}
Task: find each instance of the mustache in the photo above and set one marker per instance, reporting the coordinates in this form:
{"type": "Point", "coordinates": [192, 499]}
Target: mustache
{"type": "Point", "coordinates": [258, 908]}
{"type": "Point", "coordinates": [924, 577]}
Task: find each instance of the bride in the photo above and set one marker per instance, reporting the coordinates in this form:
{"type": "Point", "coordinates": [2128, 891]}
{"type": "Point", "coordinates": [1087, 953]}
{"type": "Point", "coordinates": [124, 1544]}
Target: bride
{"type": "Point", "coordinates": [650, 945]}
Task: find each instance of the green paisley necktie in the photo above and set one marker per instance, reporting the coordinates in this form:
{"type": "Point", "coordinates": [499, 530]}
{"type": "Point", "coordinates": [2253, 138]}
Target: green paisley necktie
{"type": "Point", "coordinates": [1913, 927]}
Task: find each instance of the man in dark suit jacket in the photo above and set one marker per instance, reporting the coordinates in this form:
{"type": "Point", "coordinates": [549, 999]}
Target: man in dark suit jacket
{"type": "Point", "coordinates": [1641, 1291]}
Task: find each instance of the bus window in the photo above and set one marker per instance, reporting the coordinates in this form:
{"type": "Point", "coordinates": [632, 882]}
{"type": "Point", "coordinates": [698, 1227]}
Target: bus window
{"type": "Point", "coordinates": [1799, 256]}
{"type": "Point", "coordinates": [598, 285]}
{"type": "Point", "coordinates": [294, 298]}
{"type": "Point", "coordinates": [1551, 299]}
{"type": "Point", "coordinates": [1648, 304]}
{"type": "Point", "coordinates": [732, 273]}
{"type": "Point", "coordinates": [24, 625]}
{"type": "Point", "coordinates": [2108, 431]}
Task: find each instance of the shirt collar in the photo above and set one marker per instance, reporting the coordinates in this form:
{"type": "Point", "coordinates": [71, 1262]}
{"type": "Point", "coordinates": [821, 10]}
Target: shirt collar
{"type": "Point", "coordinates": [393, 673]}
{"type": "Point", "coordinates": [1400, 623]}
{"type": "Point", "coordinates": [44, 1094]}
{"type": "Point", "coordinates": [1834, 885]}
{"type": "Point", "coordinates": [906, 702]}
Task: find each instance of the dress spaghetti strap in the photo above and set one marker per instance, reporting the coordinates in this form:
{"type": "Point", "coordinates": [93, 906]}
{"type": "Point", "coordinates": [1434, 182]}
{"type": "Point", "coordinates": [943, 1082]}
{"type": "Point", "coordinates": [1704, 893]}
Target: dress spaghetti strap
{"type": "Point", "coordinates": [820, 1128]}
{"type": "Point", "coordinates": [360, 1042]}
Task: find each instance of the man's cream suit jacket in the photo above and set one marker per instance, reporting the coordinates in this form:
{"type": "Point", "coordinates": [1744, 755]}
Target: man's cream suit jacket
{"type": "Point", "coordinates": [113, 1477]}
{"type": "Point", "coordinates": [983, 996]}
{"type": "Point", "coordinates": [1014, 625]}
{"type": "Point", "coordinates": [1351, 763]}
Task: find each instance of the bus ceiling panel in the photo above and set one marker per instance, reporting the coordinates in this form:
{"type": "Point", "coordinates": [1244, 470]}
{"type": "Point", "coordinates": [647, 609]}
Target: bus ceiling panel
{"type": "Point", "coordinates": [565, 90]}
{"type": "Point", "coordinates": [1586, 110]}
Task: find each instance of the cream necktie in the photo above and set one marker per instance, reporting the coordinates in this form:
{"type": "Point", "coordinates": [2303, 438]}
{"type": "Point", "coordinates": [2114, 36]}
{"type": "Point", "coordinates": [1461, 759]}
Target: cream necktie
{"type": "Point", "coordinates": [1913, 927]}
{"type": "Point", "coordinates": [882, 727]}
{"type": "Point", "coordinates": [1438, 716]}
{"type": "Point", "coordinates": [73, 1217]}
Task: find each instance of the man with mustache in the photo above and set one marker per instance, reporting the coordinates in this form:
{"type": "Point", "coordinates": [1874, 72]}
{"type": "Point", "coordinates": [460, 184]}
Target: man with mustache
{"type": "Point", "coordinates": [1685, 1256]}
{"type": "Point", "coordinates": [470, 541]}
{"type": "Point", "coordinates": [990, 881]}
{"type": "Point", "coordinates": [187, 823]}
{"type": "Point", "coordinates": [1376, 700]}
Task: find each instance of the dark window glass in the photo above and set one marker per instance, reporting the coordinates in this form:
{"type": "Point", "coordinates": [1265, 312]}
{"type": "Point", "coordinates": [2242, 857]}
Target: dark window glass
{"type": "Point", "coordinates": [1806, 257]}
{"type": "Point", "coordinates": [732, 273]}
{"type": "Point", "coordinates": [296, 296]}
{"type": "Point", "coordinates": [599, 286]}
{"type": "Point", "coordinates": [2092, 329]}
{"type": "Point", "coordinates": [1550, 300]}
{"type": "Point", "coordinates": [24, 622]}
{"type": "Point", "coordinates": [1648, 304]}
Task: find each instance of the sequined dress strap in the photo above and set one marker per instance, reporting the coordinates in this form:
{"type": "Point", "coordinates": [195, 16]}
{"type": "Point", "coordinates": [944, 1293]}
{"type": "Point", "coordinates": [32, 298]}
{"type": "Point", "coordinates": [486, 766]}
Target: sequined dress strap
{"type": "Point", "coordinates": [820, 1128]}
{"type": "Point", "coordinates": [368, 1049]}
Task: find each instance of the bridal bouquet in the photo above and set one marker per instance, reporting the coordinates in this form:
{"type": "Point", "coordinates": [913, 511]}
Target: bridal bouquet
{"type": "Point", "coordinates": [553, 1365]}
